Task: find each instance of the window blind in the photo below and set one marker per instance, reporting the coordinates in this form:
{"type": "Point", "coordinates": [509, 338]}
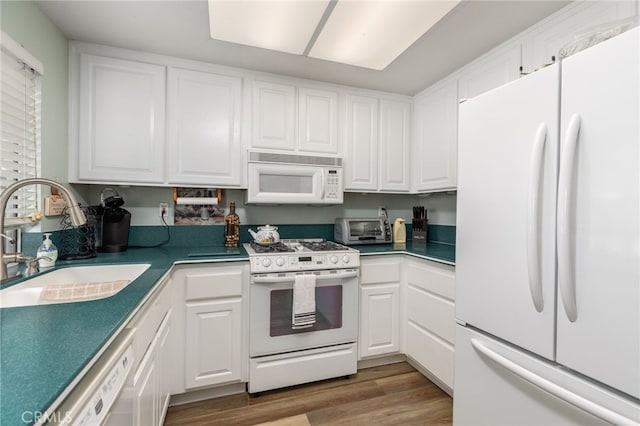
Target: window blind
{"type": "Point", "coordinates": [20, 101]}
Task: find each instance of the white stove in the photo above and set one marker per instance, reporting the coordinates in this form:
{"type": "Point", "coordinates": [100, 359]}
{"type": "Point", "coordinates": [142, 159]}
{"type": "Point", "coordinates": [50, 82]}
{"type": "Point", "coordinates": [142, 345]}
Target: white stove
{"type": "Point", "coordinates": [286, 279]}
{"type": "Point", "coordinates": [301, 255]}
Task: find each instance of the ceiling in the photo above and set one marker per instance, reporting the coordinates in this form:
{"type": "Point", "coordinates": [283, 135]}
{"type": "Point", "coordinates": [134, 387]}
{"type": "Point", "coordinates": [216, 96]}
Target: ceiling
{"type": "Point", "coordinates": [181, 28]}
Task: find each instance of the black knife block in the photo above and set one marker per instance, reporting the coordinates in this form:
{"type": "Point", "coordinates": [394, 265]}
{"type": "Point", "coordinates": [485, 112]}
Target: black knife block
{"type": "Point", "coordinates": [419, 238]}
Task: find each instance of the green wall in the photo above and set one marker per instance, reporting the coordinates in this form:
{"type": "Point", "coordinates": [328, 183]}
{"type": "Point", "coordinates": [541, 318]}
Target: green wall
{"type": "Point", "coordinates": [26, 24]}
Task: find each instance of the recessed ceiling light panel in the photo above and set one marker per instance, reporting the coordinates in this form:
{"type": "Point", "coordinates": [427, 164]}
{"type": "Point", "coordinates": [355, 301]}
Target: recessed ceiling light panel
{"type": "Point", "coordinates": [364, 33]}
{"type": "Point", "coordinates": [286, 26]}
{"type": "Point", "coordinates": [372, 33]}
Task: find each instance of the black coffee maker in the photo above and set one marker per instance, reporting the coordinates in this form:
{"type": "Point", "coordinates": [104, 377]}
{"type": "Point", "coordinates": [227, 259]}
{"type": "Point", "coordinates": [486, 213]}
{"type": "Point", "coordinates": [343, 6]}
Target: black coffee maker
{"type": "Point", "coordinates": [113, 223]}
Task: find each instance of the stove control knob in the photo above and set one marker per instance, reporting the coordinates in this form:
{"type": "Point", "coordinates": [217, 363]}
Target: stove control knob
{"type": "Point", "coordinates": [280, 261]}
{"type": "Point", "coordinates": [266, 262]}
{"type": "Point", "coordinates": [334, 259]}
{"type": "Point", "coordinates": [346, 258]}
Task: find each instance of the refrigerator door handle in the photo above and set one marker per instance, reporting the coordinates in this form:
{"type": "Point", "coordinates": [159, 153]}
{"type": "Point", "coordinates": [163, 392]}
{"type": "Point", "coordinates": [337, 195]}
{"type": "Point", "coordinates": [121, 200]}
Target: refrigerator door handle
{"type": "Point", "coordinates": [565, 184]}
{"type": "Point", "coordinates": [533, 220]}
{"type": "Point", "coordinates": [551, 387]}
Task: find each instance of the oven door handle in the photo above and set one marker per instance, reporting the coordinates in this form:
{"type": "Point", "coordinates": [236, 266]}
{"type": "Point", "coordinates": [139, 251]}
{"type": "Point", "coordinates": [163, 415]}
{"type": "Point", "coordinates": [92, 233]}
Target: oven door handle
{"type": "Point", "coordinates": [267, 279]}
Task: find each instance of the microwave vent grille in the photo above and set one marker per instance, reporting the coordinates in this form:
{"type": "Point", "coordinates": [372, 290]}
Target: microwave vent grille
{"type": "Point", "coordinates": [270, 157]}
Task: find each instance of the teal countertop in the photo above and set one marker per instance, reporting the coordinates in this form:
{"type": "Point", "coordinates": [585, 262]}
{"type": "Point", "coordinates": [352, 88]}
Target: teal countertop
{"type": "Point", "coordinates": [437, 252]}
{"type": "Point", "coordinates": [43, 348]}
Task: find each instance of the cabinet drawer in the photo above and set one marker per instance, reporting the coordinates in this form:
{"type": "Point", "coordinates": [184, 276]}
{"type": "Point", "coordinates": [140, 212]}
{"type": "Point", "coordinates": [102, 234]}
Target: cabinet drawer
{"type": "Point", "coordinates": [379, 270]}
{"type": "Point", "coordinates": [434, 278]}
{"type": "Point", "coordinates": [208, 283]}
{"type": "Point", "coordinates": [430, 352]}
{"type": "Point", "coordinates": [432, 313]}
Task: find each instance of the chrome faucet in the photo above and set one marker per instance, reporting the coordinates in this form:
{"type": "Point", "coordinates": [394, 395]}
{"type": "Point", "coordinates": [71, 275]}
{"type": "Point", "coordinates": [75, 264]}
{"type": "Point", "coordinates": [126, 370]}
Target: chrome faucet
{"type": "Point", "coordinates": [77, 216]}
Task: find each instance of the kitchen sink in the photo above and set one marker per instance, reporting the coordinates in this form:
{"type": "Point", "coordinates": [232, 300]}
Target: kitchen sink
{"type": "Point", "coordinates": [73, 284]}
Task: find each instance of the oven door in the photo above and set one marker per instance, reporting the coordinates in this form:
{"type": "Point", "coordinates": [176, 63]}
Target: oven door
{"type": "Point", "coordinates": [336, 297]}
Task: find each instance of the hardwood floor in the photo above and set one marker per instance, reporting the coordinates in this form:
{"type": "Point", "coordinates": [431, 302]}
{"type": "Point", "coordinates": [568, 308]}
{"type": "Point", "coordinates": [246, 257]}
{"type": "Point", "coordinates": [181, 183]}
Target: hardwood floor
{"type": "Point", "coordinates": [388, 395]}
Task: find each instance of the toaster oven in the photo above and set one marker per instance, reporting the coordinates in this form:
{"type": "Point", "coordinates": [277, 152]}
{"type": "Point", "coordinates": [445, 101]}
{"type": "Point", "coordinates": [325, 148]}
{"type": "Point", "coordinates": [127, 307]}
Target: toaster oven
{"type": "Point", "coordinates": [362, 231]}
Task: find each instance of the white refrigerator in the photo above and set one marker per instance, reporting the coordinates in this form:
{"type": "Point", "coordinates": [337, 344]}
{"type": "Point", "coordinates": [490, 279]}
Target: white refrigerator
{"type": "Point", "coordinates": [548, 245]}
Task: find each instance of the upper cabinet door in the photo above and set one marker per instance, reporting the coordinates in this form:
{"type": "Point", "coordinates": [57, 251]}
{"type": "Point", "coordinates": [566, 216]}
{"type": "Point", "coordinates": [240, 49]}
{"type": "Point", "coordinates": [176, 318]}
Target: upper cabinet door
{"type": "Point", "coordinates": [121, 133]}
{"type": "Point", "coordinates": [496, 69]}
{"type": "Point", "coordinates": [318, 121]}
{"type": "Point", "coordinates": [204, 128]}
{"type": "Point", "coordinates": [273, 116]}
{"type": "Point", "coordinates": [436, 137]}
{"type": "Point", "coordinates": [395, 170]}
{"type": "Point", "coordinates": [361, 140]}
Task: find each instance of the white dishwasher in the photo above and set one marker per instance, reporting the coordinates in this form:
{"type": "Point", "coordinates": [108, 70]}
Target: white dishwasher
{"type": "Point", "coordinates": [90, 402]}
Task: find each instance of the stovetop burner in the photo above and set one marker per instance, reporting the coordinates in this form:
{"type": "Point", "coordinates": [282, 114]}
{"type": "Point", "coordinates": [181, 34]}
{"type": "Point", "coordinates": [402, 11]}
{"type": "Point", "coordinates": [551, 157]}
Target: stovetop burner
{"type": "Point", "coordinates": [297, 246]}
{"type": "Point", "coordinates": [322, 245]}
{"type": "Point", "coordinates": [279, 247]}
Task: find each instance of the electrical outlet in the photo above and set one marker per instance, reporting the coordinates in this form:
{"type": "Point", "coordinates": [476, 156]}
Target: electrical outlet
{"type": "Point", "coordinates": [382, 212]}
{"type": "Point", "coordinates": [164, 209]}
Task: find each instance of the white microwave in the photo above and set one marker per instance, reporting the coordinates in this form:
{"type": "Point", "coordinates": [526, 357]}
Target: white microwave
{"type": "Point", "coordinates": [293, 179]}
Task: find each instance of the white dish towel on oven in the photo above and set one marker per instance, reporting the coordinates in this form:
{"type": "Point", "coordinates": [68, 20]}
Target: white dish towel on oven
{"type": "Point", "coordinates": [304, 301]}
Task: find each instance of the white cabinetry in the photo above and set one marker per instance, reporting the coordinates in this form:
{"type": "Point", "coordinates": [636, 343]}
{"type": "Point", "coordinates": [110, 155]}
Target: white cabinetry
{"type": "Point", "coordinates": [493, 70]}
{"type": "Point", "coordinates": [395, 138]}
{"type": "Point", "coordinates": [361, 143]}
{"type": "Point", "coordinates": [436, 138]}
{"type": "Point", "coordinates": [204, 146]}
{"type": "Point", "coordinates": [291, 118]}
{"type": "Point", "coordinates": [379, 306]}
{"type": "Point", "coordinates": [545, 41]}
{"type": "Point", "coordinates": [213, 342]}
{"type": "Point", "coordinates": [164, 364]}
{"type": "Point", "coordinates": [274, 115]}
{"type": "Point", "coordinates": [120, 132]}
{"type": "Point", "coordinates": [430, 318]}
{"type": "Point", "coordinates": [377, 138]}
{"type": "Point", "coordinates": [145, 398]}
{"type": "Point", "coordinates": [121, 102]}
{"type": "Point", "coordinates": [150, 382]}
{"type": "Point", "coordinates": [317, 120]}
{"type": "Point", "coordinates": [212, 348]}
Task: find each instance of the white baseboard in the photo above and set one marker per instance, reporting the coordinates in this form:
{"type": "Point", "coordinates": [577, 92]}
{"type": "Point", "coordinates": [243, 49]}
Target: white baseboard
{"type": "Point", "coordinates": [201, 395]}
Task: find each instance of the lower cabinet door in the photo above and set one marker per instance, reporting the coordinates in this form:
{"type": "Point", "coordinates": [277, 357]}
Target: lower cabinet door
{"type": "Point", "coordinates": [162, 374]}
{"type": "Point", "coordinates": [144, 401]}
{"type": "Point", "coordinates": [213, 342]}
{"type": "Point", "coordinates": [379, 320]}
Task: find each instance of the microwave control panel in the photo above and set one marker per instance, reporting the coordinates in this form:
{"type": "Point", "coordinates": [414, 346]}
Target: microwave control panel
{"type": "Point", "coordinates": [333, 190]}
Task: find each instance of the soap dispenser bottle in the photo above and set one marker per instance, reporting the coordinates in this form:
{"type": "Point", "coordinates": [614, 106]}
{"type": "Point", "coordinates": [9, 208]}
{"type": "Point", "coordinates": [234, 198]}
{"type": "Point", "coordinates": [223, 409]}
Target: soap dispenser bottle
{"type": "Point", "coordinates": [48, 249]}
{"type": "Point", "coordinates": [399, 231]}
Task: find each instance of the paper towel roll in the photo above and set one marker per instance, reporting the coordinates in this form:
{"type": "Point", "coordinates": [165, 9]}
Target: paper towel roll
{"type": "Point", "coordinates": [202, 201]}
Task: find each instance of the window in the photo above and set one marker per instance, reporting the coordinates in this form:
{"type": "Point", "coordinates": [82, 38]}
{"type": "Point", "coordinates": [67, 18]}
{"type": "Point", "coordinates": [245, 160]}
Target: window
{"type": "Point", "coordinates": [20, 96]}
